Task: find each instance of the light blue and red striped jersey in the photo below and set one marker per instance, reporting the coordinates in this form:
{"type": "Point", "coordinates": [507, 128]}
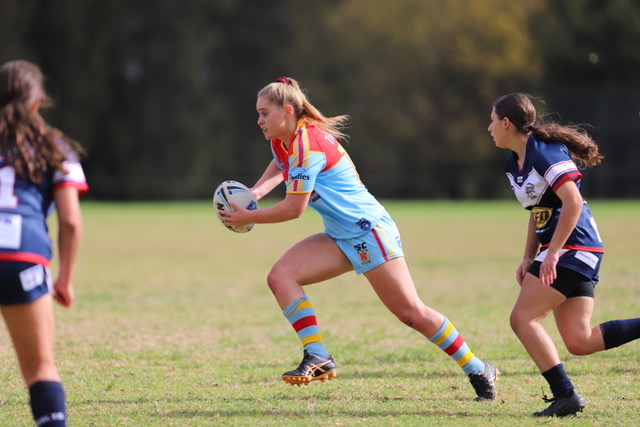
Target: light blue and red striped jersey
{"type": "Point", "coordinates": [315, 162]}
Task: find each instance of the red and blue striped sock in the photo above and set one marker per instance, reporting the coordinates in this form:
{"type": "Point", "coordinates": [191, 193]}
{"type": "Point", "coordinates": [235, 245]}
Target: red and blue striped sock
{"type": "Point", "coordinates": [302, 317]}
{"type": "Point", "coordinates": [452, 343]}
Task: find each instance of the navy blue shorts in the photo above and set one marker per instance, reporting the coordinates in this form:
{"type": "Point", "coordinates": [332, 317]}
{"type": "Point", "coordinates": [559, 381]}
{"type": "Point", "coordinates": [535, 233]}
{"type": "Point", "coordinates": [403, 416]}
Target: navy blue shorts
{"type": "Point", "coordinates": [23, 282]}
{"type": "Point", "coordinates": [583, 262]}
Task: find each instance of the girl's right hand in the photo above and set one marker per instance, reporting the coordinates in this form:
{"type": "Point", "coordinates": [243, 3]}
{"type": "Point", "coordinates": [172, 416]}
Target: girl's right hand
{"type": "Point", "coordinates": [63, 293]}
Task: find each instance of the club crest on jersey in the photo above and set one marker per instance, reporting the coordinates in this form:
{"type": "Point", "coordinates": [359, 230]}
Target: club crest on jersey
{"type": "Point", "coordinates": [364, 224]}
{"type": "Point", "coordinates": [531, 191]}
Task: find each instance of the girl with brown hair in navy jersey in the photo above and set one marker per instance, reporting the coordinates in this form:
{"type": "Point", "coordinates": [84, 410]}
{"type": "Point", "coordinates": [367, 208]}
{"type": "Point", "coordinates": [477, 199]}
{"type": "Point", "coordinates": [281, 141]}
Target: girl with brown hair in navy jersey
{"type": "Point", "coordinates": [39, 169]}
{"type": "Point", "coordinates": [563, 249]}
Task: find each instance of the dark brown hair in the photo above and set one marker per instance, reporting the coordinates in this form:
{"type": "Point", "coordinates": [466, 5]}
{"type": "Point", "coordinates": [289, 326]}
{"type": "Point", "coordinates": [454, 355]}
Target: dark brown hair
{"type": "Point", "coordinates": [519, 109]}
{"type": "Point", "coordinates": [27, 142]}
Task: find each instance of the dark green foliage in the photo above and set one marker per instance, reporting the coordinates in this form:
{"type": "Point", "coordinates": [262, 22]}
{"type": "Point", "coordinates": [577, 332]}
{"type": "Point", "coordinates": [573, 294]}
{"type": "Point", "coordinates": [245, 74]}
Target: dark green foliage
{"type": "Point", "coordinates": [162, 93]}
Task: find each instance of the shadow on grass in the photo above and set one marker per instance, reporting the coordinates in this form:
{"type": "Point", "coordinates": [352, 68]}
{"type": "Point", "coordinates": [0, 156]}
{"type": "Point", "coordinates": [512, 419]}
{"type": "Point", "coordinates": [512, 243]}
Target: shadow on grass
{"type": "Point", "coordinates": [247, 407]}
{"type": "Point", "coordinates": [398, 372]}
{"type": "Point", "coordinates": [330, 414]}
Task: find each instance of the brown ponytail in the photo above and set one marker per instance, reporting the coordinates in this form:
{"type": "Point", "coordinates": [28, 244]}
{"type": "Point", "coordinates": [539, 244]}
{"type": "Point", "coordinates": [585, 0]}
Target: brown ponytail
{"type": "Point", "coordinates": [519, 109]}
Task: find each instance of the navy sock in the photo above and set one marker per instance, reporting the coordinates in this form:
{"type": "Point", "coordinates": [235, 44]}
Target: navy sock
{"type": "Point", "coordinates": [48, 404]}
{"type": "Point", "coordinates": [558, 380]}
{"type": "Point", "coordinates": [618, 332]}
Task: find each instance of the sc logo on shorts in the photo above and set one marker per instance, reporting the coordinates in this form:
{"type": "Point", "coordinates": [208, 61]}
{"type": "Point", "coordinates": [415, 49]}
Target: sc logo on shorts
{"type": "Point", "coordinates": [363, 253]}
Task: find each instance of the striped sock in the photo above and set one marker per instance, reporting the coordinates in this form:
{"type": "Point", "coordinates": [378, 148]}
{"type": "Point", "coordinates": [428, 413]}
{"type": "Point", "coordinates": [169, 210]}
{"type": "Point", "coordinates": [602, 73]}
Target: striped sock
{"type": "Point", "coordinates": [303, 319]}
{"type": "Point", "coordinates": [452, 343]}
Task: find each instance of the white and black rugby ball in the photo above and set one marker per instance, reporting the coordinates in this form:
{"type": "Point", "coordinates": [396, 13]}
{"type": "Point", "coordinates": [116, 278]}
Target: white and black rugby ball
{"type": "Point", "coordinates": [238, 193]}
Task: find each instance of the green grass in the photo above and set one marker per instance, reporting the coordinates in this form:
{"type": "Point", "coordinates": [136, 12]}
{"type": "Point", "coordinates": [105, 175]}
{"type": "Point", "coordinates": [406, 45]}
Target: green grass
{"type": "Point", "coordinates": [174, 325]}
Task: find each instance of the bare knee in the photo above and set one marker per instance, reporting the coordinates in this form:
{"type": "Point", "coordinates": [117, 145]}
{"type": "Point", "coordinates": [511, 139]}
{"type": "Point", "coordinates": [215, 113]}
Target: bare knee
{"type": "Point", "coordinates": [418, 318]}
{"type": "Point", "coordinates": [274, 280]}
{"type": "Point", "coordinates": [519, 322]}
{"type": "Point", "coordinates": [408, 319]}
{"type": "Point", "coordinates": [404, 314]}
{"type": "Point", "coordinates": [282, 280]}
{"type": "Point", "coordinates": [579, 347]}
{"type": "Point", "coordinates": [515, 321]}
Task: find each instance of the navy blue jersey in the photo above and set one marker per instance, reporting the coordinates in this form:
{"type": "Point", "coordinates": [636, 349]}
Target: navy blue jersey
{"type": "Point", "coordinates": [25, 206]}
{"type": "Point", "coordinates": [547, 165]}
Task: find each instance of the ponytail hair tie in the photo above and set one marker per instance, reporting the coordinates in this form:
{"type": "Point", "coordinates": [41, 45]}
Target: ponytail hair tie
{"type": "Point", "coordinates": [530, 128]}
{"type": "Point", "coordinates": [283, 79]}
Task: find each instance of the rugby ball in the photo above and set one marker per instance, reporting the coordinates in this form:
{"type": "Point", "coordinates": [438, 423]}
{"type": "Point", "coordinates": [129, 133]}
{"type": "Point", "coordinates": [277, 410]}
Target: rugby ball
{"type": "Point", "coordinates": [238, 193]}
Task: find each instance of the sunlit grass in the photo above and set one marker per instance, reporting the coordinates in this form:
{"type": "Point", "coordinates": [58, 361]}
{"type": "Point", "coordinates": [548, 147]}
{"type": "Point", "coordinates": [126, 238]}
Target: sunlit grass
{"type": "Point", "coordinates": [174, 324]}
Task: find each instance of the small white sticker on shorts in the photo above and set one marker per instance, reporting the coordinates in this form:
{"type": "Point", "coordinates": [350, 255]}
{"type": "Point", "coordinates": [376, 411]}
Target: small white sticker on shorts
{"type": "Point", "coordinates": [32, 277]}
{"type": "Point", "coordinates": [588, 258]}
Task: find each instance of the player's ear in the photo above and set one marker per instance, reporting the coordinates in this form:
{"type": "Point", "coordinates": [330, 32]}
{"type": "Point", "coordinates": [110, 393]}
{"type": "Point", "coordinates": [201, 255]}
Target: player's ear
{"type": "Point", "coordinates": [289, 111]}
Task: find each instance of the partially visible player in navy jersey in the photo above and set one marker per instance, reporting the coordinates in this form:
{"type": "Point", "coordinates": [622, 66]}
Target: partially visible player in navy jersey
{"type": "Point", "coordinates": [39, 171]}
{"type": "Point", "coordinates": [359, 235]}
{"type": "Point", "coordinates": [563, 249]}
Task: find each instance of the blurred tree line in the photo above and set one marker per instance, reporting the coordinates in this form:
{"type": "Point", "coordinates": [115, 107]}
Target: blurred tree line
{"type": "Point", "coordinates": [162, 93]}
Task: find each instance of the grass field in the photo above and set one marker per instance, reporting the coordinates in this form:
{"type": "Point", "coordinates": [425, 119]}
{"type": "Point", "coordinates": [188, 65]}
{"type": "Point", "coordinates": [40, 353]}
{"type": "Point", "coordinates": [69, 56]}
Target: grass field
{"type": "Point", "coordinates": [174, 325]}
